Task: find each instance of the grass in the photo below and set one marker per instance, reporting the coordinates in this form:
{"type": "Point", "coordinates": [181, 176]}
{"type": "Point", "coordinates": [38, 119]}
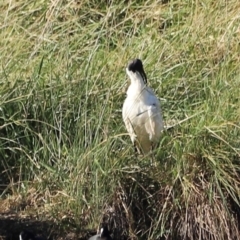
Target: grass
{"type": "Point", "coordinates": [64, 151]}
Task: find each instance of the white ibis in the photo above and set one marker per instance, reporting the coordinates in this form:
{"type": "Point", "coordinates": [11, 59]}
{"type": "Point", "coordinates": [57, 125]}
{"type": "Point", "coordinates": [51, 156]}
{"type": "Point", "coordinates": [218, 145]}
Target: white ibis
{"type": "Point", "coordinates": [104, 235]}
{"type": "Point", "coordinates": [28, 235]}
{"type": "Point", "coordinates": [141, 110]}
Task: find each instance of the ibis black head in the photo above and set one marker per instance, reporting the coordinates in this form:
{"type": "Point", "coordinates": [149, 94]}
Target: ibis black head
{"type": "Point", "coordinates": [105, 233]}
{"type": "Point", "coordinates": [26, 235]}
{"type": "Point", "coordinates": [137, 66]}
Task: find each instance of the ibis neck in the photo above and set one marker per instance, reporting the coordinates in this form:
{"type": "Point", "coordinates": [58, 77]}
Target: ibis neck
{"type": "Point", "coordinates": [136, 79]}
{"type": "Point", "coordinates": [138, 82]}
{"type": "Point", "coordinates": [136, 87]}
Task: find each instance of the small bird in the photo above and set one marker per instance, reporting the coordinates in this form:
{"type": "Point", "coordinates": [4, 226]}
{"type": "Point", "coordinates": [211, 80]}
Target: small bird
{"type": "Point", "coordinates": [104, 235]}
{"type": "Point", "coordinates": [141, 110]}
{"type": "Point", "coordinates": [28, 235]}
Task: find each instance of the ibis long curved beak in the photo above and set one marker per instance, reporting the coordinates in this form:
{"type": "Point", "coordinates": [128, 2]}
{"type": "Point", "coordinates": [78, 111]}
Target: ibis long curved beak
{"type": "Point", "coordinates": [144, 76]}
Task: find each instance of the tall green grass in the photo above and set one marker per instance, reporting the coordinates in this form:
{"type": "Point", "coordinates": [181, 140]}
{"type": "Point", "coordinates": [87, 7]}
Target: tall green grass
{"type": "Point", "coordinates": [64, 148]}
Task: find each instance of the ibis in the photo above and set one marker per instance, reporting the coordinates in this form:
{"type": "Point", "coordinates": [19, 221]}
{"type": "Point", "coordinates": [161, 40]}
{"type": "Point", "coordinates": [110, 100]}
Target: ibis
{"type": "Point", "coordinates": [141, 110]}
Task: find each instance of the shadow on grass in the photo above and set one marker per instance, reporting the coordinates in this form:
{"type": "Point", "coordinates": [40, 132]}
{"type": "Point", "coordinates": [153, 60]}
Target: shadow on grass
{"type": "Point", "coordinates": [11, 225]}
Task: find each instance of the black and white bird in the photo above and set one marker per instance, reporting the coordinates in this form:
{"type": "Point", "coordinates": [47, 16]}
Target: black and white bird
{"type": "Point", "coordinates": [141, 110]}
{"type": "Point", "coordinates": [28, 235]}
{"type": "Point", "coordinates": [104, 235]}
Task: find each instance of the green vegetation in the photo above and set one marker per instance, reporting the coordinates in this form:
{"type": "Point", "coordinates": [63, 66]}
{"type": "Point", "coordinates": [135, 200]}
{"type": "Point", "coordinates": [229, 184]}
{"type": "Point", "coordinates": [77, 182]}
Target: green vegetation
{"type": "Point", "coordinates": [64, 151]}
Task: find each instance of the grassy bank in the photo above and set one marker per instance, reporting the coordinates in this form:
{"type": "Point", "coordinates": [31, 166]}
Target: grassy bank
{"type": "Point", "coordinates": [65, 155]}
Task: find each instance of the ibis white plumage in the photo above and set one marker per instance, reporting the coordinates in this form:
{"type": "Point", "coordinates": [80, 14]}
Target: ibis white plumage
{"type": "Point", "coordinates": [141, 110]}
